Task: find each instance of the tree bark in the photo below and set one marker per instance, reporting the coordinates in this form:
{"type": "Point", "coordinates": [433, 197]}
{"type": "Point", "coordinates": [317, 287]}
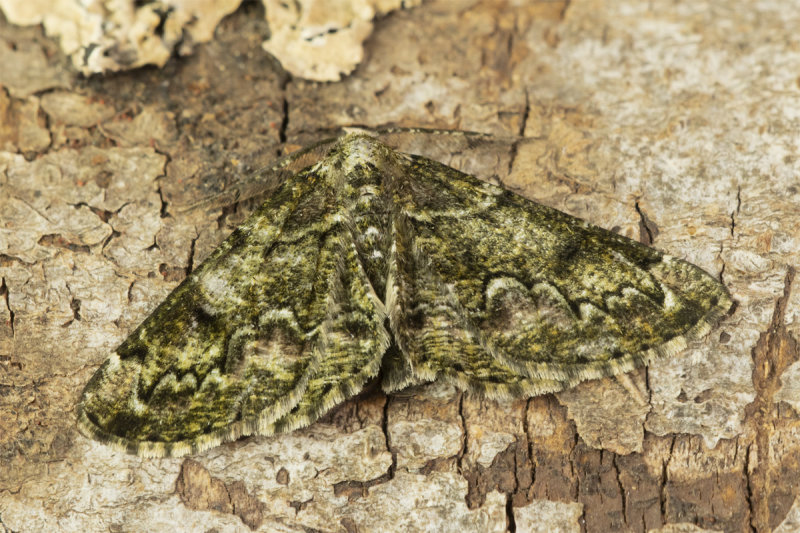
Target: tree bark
{"type": "Point", "coordinates": [670, 123]}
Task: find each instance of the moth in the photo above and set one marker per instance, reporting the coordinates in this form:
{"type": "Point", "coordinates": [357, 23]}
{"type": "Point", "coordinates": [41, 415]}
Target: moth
{"type": "Point", "coordinates": [374, 262]}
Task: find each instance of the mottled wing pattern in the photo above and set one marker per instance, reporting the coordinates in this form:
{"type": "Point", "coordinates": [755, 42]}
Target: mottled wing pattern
{"type": "Point", "coordinates": [432, 328]}
{"type": "Point", "coordinates": [256, 332]}
{"type": "Point", "coordinates": [504, 295]}
{"type": "Point", "coordinates": [357, 342]}
{"type": "Point", "coordinates": [291, 314]}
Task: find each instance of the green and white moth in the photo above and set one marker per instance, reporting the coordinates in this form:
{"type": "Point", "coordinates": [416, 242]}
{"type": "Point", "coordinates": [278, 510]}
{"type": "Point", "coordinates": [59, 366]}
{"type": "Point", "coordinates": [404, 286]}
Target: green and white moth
{"type": "Point", "coordinates": [375, 262]}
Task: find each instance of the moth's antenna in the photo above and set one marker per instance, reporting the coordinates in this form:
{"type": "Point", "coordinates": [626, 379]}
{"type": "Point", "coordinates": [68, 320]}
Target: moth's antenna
{"type": "Point", "coordinates": [266, 178]}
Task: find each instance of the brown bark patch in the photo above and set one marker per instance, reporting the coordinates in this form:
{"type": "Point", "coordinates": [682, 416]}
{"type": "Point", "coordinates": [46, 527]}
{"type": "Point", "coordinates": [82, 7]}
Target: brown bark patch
{"type": "Point", "coordinates": [357, 489]}
{"type": "Point", "coordinates": [775, 350]}
{"type": "Point", "coordinates": [282, 476]}
{"type": "Point", "coordinates": [510, 472]}
{"type": "Point", "coordinates": [555, 474]}
{"type": "Point", "coordinates": [199, 490]}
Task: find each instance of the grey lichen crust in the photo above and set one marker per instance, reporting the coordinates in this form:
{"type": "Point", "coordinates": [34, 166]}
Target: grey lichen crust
{"type": "Point", "coordinates": [374, 261]}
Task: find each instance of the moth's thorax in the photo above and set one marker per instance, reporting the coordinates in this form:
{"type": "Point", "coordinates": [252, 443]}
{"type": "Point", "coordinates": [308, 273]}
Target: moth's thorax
{"type": "Point", "coordinates": [370, 211]}
{"type": "Point", "coordinates": [356, 149]}
{"type": "Point", "coordinates": [358, 169]}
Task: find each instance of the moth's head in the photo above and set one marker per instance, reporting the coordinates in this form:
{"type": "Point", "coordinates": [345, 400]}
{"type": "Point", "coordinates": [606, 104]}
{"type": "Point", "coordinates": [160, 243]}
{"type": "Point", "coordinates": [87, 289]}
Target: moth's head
{"type": "Point", "coordinates": [359, 147]}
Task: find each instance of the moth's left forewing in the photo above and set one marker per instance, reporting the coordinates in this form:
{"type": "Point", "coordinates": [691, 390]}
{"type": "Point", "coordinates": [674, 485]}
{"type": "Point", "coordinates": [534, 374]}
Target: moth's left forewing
{"type": "Point", "coordinates": [278, 325]}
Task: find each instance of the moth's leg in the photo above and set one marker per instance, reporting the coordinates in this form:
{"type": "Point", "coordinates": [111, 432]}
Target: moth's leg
{"type": "Point", "coordinates": [633, 389]}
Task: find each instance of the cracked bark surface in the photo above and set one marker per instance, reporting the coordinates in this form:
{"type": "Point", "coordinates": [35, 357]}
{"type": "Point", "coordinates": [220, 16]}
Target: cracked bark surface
{"type": "Point", "coordinates": [649, 118]}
